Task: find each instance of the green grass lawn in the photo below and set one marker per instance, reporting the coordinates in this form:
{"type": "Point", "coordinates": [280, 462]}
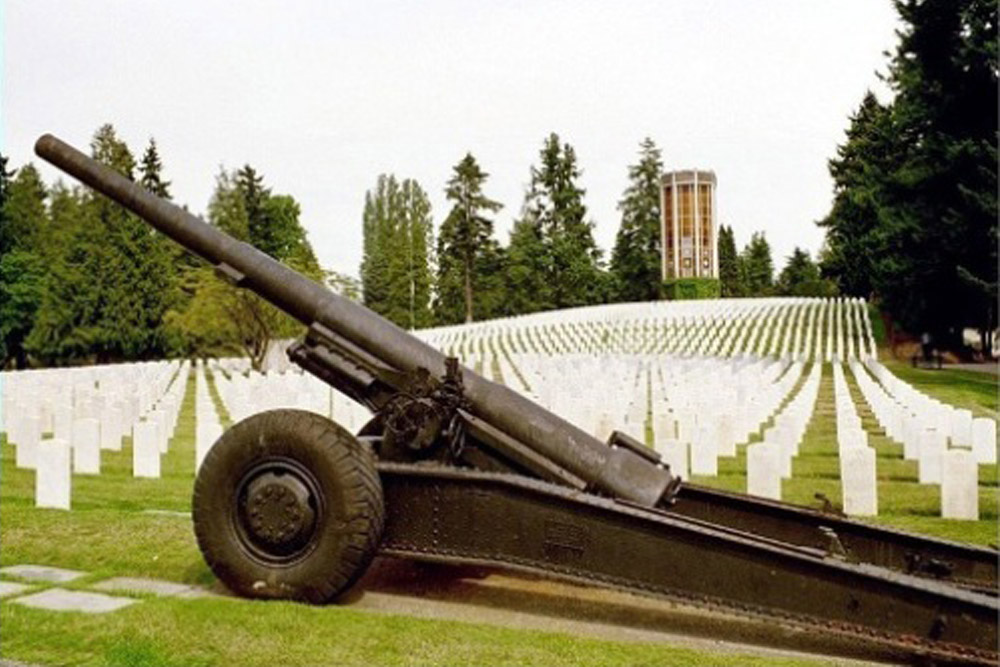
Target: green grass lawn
{"type": "Point", "coordinates": [109, 533]}
{"type": "Point", "coordinates": [903, 502]}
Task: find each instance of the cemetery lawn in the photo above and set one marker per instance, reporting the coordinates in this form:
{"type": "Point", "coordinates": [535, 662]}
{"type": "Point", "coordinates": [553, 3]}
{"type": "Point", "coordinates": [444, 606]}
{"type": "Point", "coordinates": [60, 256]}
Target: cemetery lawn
{"type": "Point", "coordinates": [110, 532]}
{"type": "Point", "coordinates": [903, 503]}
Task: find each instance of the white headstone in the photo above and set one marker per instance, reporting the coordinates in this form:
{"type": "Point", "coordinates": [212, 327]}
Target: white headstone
{"type": "Point", "coordinates": [206, 434]}
{"type": "Point", "coordinates": [932, 447]}
{"type": "Point", "coordinates": [52, 474]}
{"type": "Point", "coordinates": [674, 454]}
{"type": "Point", "coordinates": [111, 427]}
{"type": "Point", "coordinates": [62, 421]}
{"type": "Point", "coordinates": [726, 435]}
{"type": "Point", "coordinates": [959, 485]}
{"type": "Point", "coordinates": [851, 438]}
{"type": "Point", "coordinates": [86, 445]}
{"type": "Point", "coordinates": [145, 450]}
{"type": "Point", "coordinates": [764, 470]}
{"type": "Point", "coordinates": [860, 491]}
{"type": "Point", "coordinates": [704, 456]}
{"type": "Point", "coordinates": [961, 427]}
{"type": "Point", "coordinates": [910, 434]}
{"type": "Point", "coordinates": [29, 435]}
{"type": "Point", "coordinates": [984, 440]}
{"type": "Point", "coordinates": [605, 425]}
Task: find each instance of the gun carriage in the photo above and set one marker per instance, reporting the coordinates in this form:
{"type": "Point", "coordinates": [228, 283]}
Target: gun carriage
{"type": "Point", "coordinates": [455, 468]}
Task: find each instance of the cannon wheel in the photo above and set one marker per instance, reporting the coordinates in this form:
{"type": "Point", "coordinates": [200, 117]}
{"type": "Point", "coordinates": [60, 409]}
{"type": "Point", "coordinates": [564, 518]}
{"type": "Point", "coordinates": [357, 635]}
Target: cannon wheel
{"type": "Point", "coordinates": [288, 504]}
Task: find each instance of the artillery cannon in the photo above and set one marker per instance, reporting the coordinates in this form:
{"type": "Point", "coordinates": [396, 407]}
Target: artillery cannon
{"type": "Point", "coordinates": [454, 468]}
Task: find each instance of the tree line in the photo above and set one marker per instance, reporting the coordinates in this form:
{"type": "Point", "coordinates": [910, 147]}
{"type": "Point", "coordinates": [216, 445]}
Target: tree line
{"type": "Point", "coordinates": [913, 225]}
{"type": "Point", "coordinates": [551, 259]}
{"type": "Point", "coordinates": [83, 280]}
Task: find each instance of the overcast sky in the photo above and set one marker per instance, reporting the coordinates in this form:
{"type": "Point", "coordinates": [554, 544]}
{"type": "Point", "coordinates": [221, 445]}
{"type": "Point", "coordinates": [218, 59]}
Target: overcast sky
{"type": "Point", "coordinates": [321, 97]}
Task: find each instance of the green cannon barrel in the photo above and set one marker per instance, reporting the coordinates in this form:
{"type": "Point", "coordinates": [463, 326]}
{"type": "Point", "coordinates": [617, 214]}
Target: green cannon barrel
{"type": "Point", "coordinates": [618, 471]}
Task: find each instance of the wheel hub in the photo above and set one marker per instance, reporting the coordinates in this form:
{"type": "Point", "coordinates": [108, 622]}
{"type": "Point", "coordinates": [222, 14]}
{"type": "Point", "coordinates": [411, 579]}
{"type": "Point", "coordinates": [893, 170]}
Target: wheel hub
{"type": "Point", "coordinates": [278, 512]}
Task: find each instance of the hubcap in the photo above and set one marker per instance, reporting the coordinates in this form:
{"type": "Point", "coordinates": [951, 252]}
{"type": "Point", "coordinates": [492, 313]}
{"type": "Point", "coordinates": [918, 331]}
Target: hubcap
{"type": "Point", "coordinates": [278, 504]}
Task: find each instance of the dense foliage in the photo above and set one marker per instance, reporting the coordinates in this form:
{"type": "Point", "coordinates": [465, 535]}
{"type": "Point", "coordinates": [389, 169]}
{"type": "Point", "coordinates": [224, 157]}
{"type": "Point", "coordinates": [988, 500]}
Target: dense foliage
{"type": "Point", "coordinates": [82, 280]}
{"type": "Point", "coordinates": [396, 273]}
{"type": "Point", "coordinates": [914, 218]}
{"type": "Point", "coordinates": [636, 262]}
{"type": "Point", "coordinates": [470, 261]}
{"type": "Point", "coordinates": [552, 259]}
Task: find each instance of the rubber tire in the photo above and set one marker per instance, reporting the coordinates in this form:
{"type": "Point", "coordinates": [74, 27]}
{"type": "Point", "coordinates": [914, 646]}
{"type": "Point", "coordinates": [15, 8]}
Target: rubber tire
{"type": "Point", "coordinates": [346, 539]}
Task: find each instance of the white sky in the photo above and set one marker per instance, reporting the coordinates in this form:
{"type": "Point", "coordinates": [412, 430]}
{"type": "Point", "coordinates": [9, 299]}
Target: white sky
{"type": "Point", "coordinates": [321, 97]}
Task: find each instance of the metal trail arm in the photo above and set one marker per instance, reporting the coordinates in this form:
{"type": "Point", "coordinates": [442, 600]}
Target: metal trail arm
{"type": "Point", "coordinates": [617, 471]}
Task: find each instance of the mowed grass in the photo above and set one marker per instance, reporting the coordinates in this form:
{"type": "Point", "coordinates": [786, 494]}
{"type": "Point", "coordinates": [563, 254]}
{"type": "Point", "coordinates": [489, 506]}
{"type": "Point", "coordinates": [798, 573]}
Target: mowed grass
{"type": "Point", "coordinates": [110, 532]}
{"type": "Point", "coordinates": [903, 502]}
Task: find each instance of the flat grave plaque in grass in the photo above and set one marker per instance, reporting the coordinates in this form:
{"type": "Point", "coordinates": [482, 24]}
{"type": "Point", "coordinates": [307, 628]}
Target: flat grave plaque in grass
{"type": "Point", "coordinates": [60, 599]}
{"type": "Point", "coordinates": [40, 573]}
{"type": "Point", "coordinates": [9, 588]}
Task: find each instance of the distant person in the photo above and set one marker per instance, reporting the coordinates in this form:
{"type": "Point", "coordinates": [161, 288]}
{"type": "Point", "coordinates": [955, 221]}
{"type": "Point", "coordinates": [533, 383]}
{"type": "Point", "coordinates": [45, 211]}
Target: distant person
{"type": "Point", "coordinates": [927, 344]}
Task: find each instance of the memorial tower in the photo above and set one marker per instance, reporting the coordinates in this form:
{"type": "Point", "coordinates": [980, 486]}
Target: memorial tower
{"type": "Point", "coordinates": [687, 202]}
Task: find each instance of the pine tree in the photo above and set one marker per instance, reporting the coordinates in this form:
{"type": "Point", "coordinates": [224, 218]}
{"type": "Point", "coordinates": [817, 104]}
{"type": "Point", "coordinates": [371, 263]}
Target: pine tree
{"type": "Point", "coordinates": [915, 210]}
{"type": "Point", "coordinates": [377, 223]}
{"type": "Point", "coordinates": [730, 277]}
{"type": "Point", "coordinates": [5, 177]}
{"type": "Point", "coordinates": [528, 270]}
{"type": "Point", "coordinates": [416, 232]}
{"type": "Point", "coordinates": [113, 283]}
{"type": "Point", "coordinates": [150, 172]}
{"type": "Point", "coordinates": [23, 222]}
{"type": "Point", "coordinates": [758, 267]}
{"type": "Point", "coordinates": [552, 246]}
{"type": "Point", "coordinates": [799, 275]}
{"type": "Point", "coordinates": [396, 272]}
{"type": "Point", "coordinates": [24, 216]}
{"type": "Point", "coordinates": [466, 248]}
{"type": "Point", "coordinates": [251, 187]}
{"type": "Point", "coordinates": [221, 318]}
{"type": "Point", "coordinates": [859, 174]}
{"type": "Point", "coordinates": [636, 260]}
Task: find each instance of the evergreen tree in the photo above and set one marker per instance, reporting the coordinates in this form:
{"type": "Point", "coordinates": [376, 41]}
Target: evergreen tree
{"type": "Point", "coordinates": [553, 246]}
{"type": "Point", "coordinates": [23, 222]}
{"type": "Point", "coordinates": [859, 174]}
{"type": "Point", "coordinates": [5, 177]}
{"type": "Point", "coordinates": [221, 318]}
{"type": "Point", "coordinates": [251, 188]}
{"type": "Point", "coordinates": [730, 277]}
{"type": "Point", "coordinates": [528, 269]}
{"type": "Point", "coordinates": [916, 206]}
{"type": "Point", "coordinates": [801, 277]}
{"type": "Point", "coordinates": [344, 285]}
{"type": "Point", "coordinates": [150, 172]}
{"type": "Point", "coordinates": [24, 216]}
{"type": "Point", "coordinates": [415, 252]}
{"type": "Point", "coordinates": [111, 285]}
{"type": "Point", "coordinates": [379, 212]}
{"type": "Point", "coordinates": [396, 273]}
{"type": "Point", "coordinates": [757, 266]}
{"type": "Point", "coordinates": [636, 269]}
{"type": "Point", "coordinates": [466, 249]}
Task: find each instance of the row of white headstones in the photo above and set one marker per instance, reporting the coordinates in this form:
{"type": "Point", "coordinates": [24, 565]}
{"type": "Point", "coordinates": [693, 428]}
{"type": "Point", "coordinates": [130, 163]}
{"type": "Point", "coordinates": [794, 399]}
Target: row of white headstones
{"type": "Point", "coordinates": [59, 420]}
{"type": "Point", "coordinates": [804, 329]}
{"type": "Point", "coordinates": [698, 408]}
{"type": "Point", "coordinates": [701, 409]}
